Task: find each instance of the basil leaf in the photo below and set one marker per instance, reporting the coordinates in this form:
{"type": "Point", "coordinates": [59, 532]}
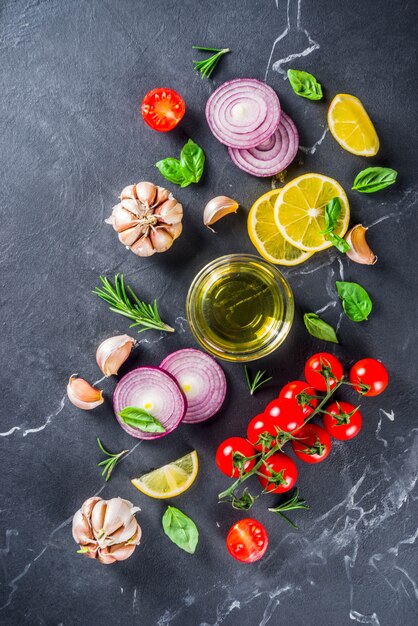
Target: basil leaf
{"type": "Point", "coordinates": [141, 419]}
{"type": "Point", "coordinates": [332, 213]}
{"type": "Point", "coordinates": [356, 301]}
{"type": "Point", "coordinates": [338, 242]}
{"type": "Point", "coordinates": [318, 328]}
{"type": "Point", "coordinates": [374, 178]}
{"type": "Point", "coordinates": [180, 529]}
{"type": "Point", "coordinates": [192, 158]}
{"type": "Point", "coordinates": [173, 171]}
{"type": "Point", "coordinates": [305, 84]}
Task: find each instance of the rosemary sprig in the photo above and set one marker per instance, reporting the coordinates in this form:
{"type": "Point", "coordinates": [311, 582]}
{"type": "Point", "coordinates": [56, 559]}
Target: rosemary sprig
{"type": "Point", "coordinates": [290, 505]}
{"type": "Point", "coordinates": [258, 380]}
{"type": "Point", "coordinates": [112, 460]}
{"type": "Point", "coordinates": [207, 66]}
{"type": "Point", "coordinates": [130, 306]}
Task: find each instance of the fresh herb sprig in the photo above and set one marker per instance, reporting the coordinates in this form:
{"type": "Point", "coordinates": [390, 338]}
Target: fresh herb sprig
{"type": "Point", "coordinates": [258, 381]}
{"type": "Point", "coordinates": [292, 504]}
{"type": "Point", "coordinates": [125, 302]}
{"type": "Point", "coordinates": [207, 66]}
{"type": "Point", "coordinates": [112, 460]}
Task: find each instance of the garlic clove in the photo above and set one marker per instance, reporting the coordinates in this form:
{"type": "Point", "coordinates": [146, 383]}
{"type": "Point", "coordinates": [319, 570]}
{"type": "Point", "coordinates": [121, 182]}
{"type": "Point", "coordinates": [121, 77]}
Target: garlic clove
{"type": "Point", "coordinates": [105, 557]}
{"type": "Point", "coordinates": [89, 505]}
{"type": "Point", "coordinates": [143, 247]}
{"type": "Point", "coordinates": [161, 239]}
{"type": "Point", "coordinates": [146, 192]}
{"type": "Point", "coordinates": [122, 552]}
{"type": "Point", "coordinates": [121, 218]}
{"type": "Point", "coordinates": [128, 237]}
{"type": "Point", "coordinates": [170, 211]}
{"type": "Point", "coordinates": [97, 517]}
{"type": "Point", "coordinates": [132, 206]}
{"type": "Point", "coordinates": [359, 251]}
{"type": "Point", "coordinates": [217, 208]}
{"type": "Point", "coordinates": [128, 192]}
{"type": "Point", "coordinates": [82, 394]}
{"type": "Point", "coordinates": [118, 513]}
{"type": "Point", "coordinates": [81, 530]}
{"type": "Point", "coordinates": [125, 533]}
{"type": "Point", "coordinates": [163, 195]}
{"type": "Point", "coordinates": [175, 230]}
{"type": "Point", "coordinates": [113, 352]}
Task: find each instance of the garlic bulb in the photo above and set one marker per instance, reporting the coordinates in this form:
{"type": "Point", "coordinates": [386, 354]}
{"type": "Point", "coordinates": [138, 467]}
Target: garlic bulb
{"type": "Point", "coordinates": [360, 251]}
{"type": "Point", "coordinates": [217, 208]}
{"type": "Point", "coordinates": [82, 394]}
{"type": "Point", "coordinates": [106, 529]}
{"type": "Point", "coordinates": [113, 352]}
{"type": "Point", "coordinates": [147, 219]}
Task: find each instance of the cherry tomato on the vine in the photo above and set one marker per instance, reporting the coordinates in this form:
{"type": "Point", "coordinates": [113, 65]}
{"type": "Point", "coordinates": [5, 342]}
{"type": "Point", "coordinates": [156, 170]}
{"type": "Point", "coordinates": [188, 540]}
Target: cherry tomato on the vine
{"type": "Point", "coordinates": [247, 540]}
{"type": "Point", "coordinates": [279, 474]}
{"type": "Point", "coordinates": [162, 109]}
{"type": "Point", "coordinates": [285, 414]}
{"type": "Point", "coordinates": [225, 452]}
{"type": "Point", "coordinates": [294, 388]}
{"type": "Point", "coordinates": [342, 420]}
{"type": "Point", "coordinates": [261, 428]}
{"type": "Point", "coordinates": [370, 373]}
{"type": "Point", "coordinates": [312, 445]}
{"type": "Point", "coordinates": [316, 363]}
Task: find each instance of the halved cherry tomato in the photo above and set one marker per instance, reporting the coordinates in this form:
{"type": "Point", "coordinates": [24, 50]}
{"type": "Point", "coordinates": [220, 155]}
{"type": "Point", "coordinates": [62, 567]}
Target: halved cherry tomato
{"type": "Point", "coordinates": [225, 452]}
{"type": "Point", "coordinates": [370, 376]}
{"type": "Point", "coordinates": [285, 414]}
{"type": "Point", "coordinates": [261, 429]}
{"type": "Point", "coordinates": [162, 109]}
{"type": "Point", "coordinates": [316, 363]}
{"type": "Point", "coordinates": [342, 420]}
{"type": "Point", "coordinates": [294, 388]}
{"type": "Point", "coordinates": [247, 540]}
{"type": "Point", "coordinates": [279, 474]}
{"type": "Point", "coordinates": [312, 445]}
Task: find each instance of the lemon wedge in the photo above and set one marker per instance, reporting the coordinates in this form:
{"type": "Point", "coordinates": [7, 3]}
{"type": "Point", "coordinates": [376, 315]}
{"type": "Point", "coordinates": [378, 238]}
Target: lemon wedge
{"type": "Point", "coordinates": [351, 126]}
{"type": "Point", "coordinates": [169, 480]}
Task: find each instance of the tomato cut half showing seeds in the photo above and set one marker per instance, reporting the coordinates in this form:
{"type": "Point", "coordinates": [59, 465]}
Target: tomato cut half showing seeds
{"type": "Point", "coordinates": [247, 540]}
{"type": "Point", "coordinates": [162, 109]}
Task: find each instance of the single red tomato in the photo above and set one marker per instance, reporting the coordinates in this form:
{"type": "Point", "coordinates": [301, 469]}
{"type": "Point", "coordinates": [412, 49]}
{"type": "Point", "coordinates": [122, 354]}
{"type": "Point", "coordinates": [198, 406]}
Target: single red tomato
{"type": "Point", "coordinates": [312, 445]}
{"type": "Point", "coordinates": [225, 452]}
{"type": "Point", "coordinates": [261, 430]}
{"type": "Point", "coordinates": [296, 387]}
{"type": "Point", "coordinates": [342, 420]}
{"type": "Point", "coordinates": [247, 540]}
{"type": "Point", "coordinates": [285, 414]}
{"type": "Point", "coordinates": [369, 376]}
{"type": "Point", "coordinates": [162, 109]}
{"type": "Point", "coordinates": [279, 474]}
{"type": "Point", "coordinates": [327, 362]}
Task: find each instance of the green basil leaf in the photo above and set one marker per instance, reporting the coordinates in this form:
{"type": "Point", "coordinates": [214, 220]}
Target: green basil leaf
{"type": "Point", "coordinates": [338, 242]}
{"type": "Point", "coordinates": [173, 171]}
{"type": "Point", "coordinates": [374, 178]}
{"type": "Point", "coordinates": [141, 419]}
{"type": "Point", "coordinates": [180, 529]}
{"type": "Point", "coordinates": [332, 213]}
{"type": "Point", "coordinates": [318, 328]}
{"type": "Point", "coordinates": [356, 301]}
{"type": "Point", "coordinates": [305, 84]}
{"type": "Point", "coordinates": [192, 158]}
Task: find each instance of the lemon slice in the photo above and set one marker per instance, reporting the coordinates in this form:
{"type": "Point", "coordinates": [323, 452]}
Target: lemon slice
{"type": "Point", "coordinates": [267, 238]}
{"type": "Point", "coordinates": [351, 126]}
{"type": "Point", "coordinates": [299, 211]}
{"type": "Point", "coordinates": [169, 480]}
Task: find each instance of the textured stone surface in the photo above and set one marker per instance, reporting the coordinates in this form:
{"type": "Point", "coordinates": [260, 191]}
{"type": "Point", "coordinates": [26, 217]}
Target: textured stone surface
{"type": "Point", "coordinates": [72, 77]}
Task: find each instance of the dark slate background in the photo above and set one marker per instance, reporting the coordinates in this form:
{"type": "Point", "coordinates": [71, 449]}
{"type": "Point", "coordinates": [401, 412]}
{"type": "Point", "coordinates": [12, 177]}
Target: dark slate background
{"type": "Point", "coordinates": [72, 78]}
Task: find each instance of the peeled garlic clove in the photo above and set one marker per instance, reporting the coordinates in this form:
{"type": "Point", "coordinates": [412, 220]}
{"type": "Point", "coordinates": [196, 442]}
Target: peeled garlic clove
{"type": "Point", "coordinates": [217, 208]}
{"type": "Point", "coordinates": [143, 247]}
{"type": "Point", "coordinates": [128, 237]}
{"type": "Point", "coordinates": [113, 352]}
{"type": "Point", "coordinates": [146, 192]}
{"type": "Point", "coordinates": [170, 211]}
{"type": "Point", "coordinates": [161, 239]}
{"type": "Point", "coordinates": [175, 230]}
{"type": "Point", "coordinates": [83, 395]}
{"type": "Point", "coordinates": [359, 251]}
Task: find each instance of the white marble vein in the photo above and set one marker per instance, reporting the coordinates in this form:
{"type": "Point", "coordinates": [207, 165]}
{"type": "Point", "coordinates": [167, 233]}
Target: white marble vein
{"type": "Point", "coordinates": [312, 149]}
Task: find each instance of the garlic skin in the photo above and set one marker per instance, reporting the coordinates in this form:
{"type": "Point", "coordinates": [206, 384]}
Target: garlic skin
{"type": "Point", "coordinates": [217, 208]}
{"type": "Point", "coordinates": [82, 394]}
{"type": "Point", "coordinates": [360, 251]}
{"type": "Point", "coordinates": [106, 530]}
{"type": "Point", "coordinates": [113, 352]}
{"type": "Point", "coordinates": [145, 218]}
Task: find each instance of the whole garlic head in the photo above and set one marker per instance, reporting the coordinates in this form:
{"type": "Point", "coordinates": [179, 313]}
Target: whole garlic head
{"type": "Point", "coordinates": [147, 218]}
{"type": "Point", "coordinates": [106, 530]}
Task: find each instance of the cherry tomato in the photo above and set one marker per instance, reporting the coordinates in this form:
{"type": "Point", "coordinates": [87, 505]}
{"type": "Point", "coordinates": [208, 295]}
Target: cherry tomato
{"type": "Point", "coordinates": [225, 451]}
{"type": "Point", "coordinates": [340, 424]}
{"type": "Point", "coordinates": [292, 389]}
{"type": "Point", "coordinates": [247, 540]}
{"type": "Point", "coordinates": [312, 445]}
{"type": "Point", "coordinates": [259, 425]}
{"type": "Point", "coordinates": [372, 374]}
{"type": "Point", "coordinates": [285, 414]}
{"type": "Point", "coordinates": [162, 109]}
{"type": "Point", "coordinates": [314, 365]}
{"type": "Point", "coordinates": [282, 464]}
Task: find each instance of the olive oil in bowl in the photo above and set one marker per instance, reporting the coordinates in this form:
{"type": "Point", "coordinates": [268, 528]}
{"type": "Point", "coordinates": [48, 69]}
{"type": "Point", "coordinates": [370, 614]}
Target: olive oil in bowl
{"type": "Point", "coordinates": [240, 307]}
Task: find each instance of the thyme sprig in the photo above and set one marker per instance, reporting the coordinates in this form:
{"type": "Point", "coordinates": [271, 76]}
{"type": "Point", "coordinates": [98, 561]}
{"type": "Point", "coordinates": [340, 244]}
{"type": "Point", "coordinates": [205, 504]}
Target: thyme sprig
{"type": "Point", "coordinates": [292, 504]}
{"type": "Point", "coordinates": [125, 302]}
{"type": "Point", "coordinates": [206, 66]}
{"type": "Point", "coordinates": [110, 463]}
{"type": "Point", "coordinates": [258, 380]}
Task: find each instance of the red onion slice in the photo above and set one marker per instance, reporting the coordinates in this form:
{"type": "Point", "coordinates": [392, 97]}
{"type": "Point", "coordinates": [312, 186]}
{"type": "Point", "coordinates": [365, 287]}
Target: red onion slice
{"type": "Point", "coordinates": [273, 155]}
{"type": "Point", "coordinates": [244, 112]}
{"type": "Point", "coordinates": [201, 378]}
{"type": "Point", "coordinates": [157, 392]}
